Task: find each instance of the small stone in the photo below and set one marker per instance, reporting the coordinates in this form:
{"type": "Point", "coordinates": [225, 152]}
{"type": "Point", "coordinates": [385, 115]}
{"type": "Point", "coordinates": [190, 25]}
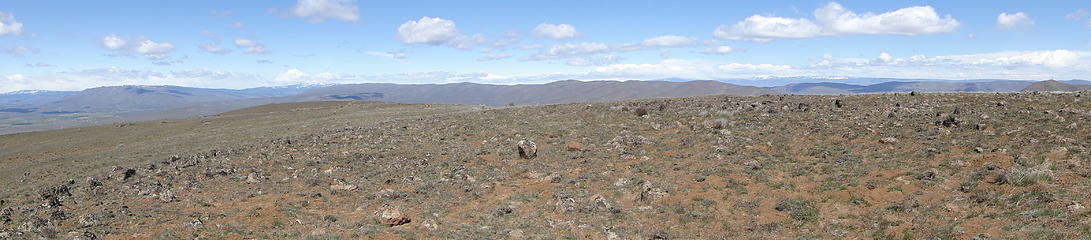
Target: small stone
{"type": "Point", "coordinates": [888, 140]}
{"type": "Point", "coordinates": [516, 234]}
{"type": "Point", "coordinates": [527, 149]}
{"type": "Point", "coordinates": [88, 220]}
{"type": "Point", "coordinates": [167, 196]}
{"type": "Point", "coordinates": [574, 146]}
{"type": "Point", "coordinates": [979, 150]}
{"type": "Point", "coordinates": [390, 194]}
{"type": "Point", "coordinates": [341, 186]}
{"type": "Point", "coordinates": [393, 216]}
{"type": "Point", "coordinates": [1075, 207]}
{"type": "Point", "coordinates": [252, 178]}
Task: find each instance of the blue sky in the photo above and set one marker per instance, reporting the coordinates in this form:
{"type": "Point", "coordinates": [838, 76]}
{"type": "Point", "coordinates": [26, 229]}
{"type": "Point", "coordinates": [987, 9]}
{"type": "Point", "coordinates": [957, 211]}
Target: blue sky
{"type": "Point", "coordinates": [71, 45]}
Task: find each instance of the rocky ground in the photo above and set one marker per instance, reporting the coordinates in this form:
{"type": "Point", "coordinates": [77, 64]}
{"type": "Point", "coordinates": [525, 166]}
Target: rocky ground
{"type": "Point", "coordinates": [885, 166]}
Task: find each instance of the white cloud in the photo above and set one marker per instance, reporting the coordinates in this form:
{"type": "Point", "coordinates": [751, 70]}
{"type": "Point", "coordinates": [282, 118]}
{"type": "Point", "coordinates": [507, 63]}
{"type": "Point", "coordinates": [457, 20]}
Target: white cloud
{"type": "Point", "coordinates": [492, 57]}
{"type": "Point", "coordinates": [319, 10]}
{"type": "Point", "coordinates": [141, 46]}
{"type": "Point", "coordinates": [1009, 21]}
{"type": "Point", "coordinates": [1043, 64]}
{"type": "Point", "coordinates": [1077, 15]}
{"type": "Point", "coordinates": [38, 65]}
{"type": "Point", "coordinates": [915, 20]}
{"type": "Point", "coordinates": [835, 20]}
{"type": "Point", "coordinates": [555, 31]}
{"type": "Point", "coordinates": [8, 25]}
{"type": "Point", "coordinates": [691, 69]}
{"type": "Point", "coordinates": [432, 31]}
{"type": "Point", "coordinates": [436, 31]}
{"type": "Point", "coordinates": [763, 29]}
{"type": "Point", "coordinates": [114, 76]}
{"type": "Point", "coordinates": [532, 46]}
{"type": "Point", "coordinates": [113, 42]}
{"type": "Point", "coordinates": [1046, 64]}
{"type": "Point", "coordinates": [466, 41]}
{"type": "Point", "coordinates": [19, 51]}
{"type": "Point", "coordinates": [567, 50]}
{"type": "Point", "coordinates": [719, 50]}
{"type": "Point", "coordinates": [668, 41]}
{"type": "Point", "coordinates": [250, 46]}
{"type": "Point", "coordinates": [214, 49]}
{"type": "Point", "coordinates": [510, 38]}
{"type": "Point", "coordinates": [392, 55]}
{"type": "Point", "coordinates": [154, 50]}
{"type": "Point", "coordinates": [1053, 58]}
{"type": "Point", "coordinates": [594, 61]}
{"type": "Point", "coordinates": [296, 76]}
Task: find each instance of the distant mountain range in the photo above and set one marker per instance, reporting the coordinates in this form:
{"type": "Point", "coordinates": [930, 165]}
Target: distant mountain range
{"type": "Point", "coordinates": [1057, 86]}
{"type": "Point", "coordinates": [132, 99]}
{"type": "Point", "coordinates": [556, 92]}
{"type": "Point", "coordinates": [900, 86]}
{"type": "Point", "coordinates": [38, 110]}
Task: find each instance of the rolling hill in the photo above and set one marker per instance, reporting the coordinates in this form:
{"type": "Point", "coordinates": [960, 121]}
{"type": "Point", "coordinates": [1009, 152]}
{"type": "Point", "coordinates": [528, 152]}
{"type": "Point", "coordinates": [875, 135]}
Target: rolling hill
{"type": "Point", "coordinates": [1055, 86]}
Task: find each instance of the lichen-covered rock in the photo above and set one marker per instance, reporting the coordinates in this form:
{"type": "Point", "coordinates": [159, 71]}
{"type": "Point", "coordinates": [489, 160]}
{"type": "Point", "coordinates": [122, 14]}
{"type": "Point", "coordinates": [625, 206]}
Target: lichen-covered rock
{"type": "Point", "coordinates": [527, 149]}
{"type": "Point", "coordinates": [393, 216]}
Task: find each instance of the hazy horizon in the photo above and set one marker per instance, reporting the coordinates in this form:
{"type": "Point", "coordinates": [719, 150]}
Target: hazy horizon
{"type": "Point", "coordinates": [247, 44]}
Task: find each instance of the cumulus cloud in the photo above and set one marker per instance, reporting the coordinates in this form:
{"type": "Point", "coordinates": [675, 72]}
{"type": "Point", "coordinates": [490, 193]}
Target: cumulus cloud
{"type": "Point", "coordinates": [1015, 20]}
{"type": "Point", "coordinates": [140, 46]}
{"type": "Point", "coordinates": [835, 20]}
{"type": "Point", "coordinates": [719, 50]}
{"type": "Point", "coordinates": [433, 31]}
{"type": "Point", "coordinates": [436, 31]}
{"type": "Point", "coordinates": [906, 21]}
{"type": "Point", "coordinates": [763, 29]}
{"type": "Point", "coordinates": [250, 46]}
{"type": "Point", "coordinates": [113, 42]}
{"type": "Point", "coordinates": [8, 25]}
{"type": "Point", "coordinates": [153, 50]}
{"type": "Point", "coordinates": [555, 31]}
{"type": "Point", "coordinates": [668, 41]}
{"type": "Point", "coordinates": [319, 10]}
